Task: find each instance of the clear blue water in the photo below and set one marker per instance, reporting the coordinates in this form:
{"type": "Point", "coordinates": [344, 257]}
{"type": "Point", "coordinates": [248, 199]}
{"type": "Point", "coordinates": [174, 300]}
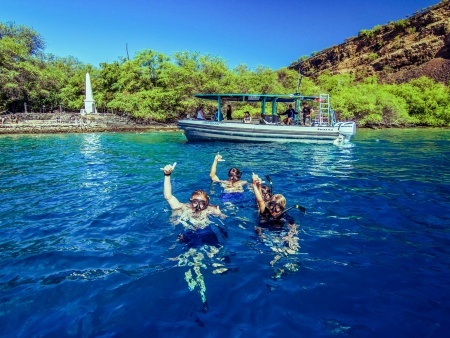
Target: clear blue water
{"type": "Point", "coordinates": [86, 239]}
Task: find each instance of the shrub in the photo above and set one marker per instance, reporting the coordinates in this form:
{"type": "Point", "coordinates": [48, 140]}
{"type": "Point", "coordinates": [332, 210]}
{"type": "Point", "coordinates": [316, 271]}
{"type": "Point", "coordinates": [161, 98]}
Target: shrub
{"type": "Point", "coordinates": [401, 25]}
{"type": "Point", "coordinates": [373, 56]}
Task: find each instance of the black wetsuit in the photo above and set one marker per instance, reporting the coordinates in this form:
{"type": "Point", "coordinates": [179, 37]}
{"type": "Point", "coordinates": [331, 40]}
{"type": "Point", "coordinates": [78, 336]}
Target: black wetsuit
{"type": "Point", "coordinates": [199, 237]}
{"type": "Point", "coordinates": [268, 222]}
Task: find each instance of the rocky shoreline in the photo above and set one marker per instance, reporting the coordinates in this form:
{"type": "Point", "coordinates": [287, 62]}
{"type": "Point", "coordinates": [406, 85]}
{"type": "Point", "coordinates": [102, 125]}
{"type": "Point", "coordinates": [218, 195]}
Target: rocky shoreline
{"type": "Point", "coordinates": [75, 123]}
{"type": "Point", "coordinates": [29, 128]}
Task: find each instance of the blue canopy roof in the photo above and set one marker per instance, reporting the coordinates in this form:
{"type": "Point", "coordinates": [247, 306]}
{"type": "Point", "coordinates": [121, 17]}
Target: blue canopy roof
{"type": "Point", "coordinates": [256, 97]}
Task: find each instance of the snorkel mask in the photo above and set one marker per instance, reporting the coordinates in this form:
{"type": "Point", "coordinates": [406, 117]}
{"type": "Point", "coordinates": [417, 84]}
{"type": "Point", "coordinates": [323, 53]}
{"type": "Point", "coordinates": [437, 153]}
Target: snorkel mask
{"type": "Point", "coordinates": [201, 200]}
{"type": "Point", "coordinates": [198, 204]}
{"type": "Point", "coordinates": [274, 207]}
{"type": "Point", "coordinates": [234, 175]}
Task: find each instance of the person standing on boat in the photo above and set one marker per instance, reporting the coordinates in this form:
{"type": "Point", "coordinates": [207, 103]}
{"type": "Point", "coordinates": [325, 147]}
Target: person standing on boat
{"type": "Point", "coordinates": [306, 114]}
{"type": "Point", "coordinates": [200, 113]}
{"type": "Point", "coordinates": [234, 182]}
{"type": "Point", "coordinates": [229, 112]}
{"type": "Point", "coordinates": [290, 115]}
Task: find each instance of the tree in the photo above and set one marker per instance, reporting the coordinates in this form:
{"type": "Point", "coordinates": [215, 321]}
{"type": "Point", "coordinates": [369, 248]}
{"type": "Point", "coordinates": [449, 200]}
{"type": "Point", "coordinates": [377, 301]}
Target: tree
{"type": "Point", "coordinates": [21, 67]}
{"type": "Point", "coordinates": [156, 87]}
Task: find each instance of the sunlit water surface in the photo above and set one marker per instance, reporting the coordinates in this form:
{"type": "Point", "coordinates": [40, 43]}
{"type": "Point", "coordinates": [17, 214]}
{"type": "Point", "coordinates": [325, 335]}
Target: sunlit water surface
{"type": "Point", "coordinates": [87, 243]}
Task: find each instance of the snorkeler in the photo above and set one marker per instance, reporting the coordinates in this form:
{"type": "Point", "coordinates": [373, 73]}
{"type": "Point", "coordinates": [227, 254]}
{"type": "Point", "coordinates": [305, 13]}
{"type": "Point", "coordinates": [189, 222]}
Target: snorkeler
{"type": "Point", "coordinates": [200, 239]}
{"type": "Point", "coordinates": [271, 207]}
{"type": "Point", "coordinates": [268, 205]}
{"type": "Point", "coordinates": [284, 242]}
{"type": "Point", "coordinates": [198, 205]}
{"type": "Point", "coordinates": [233, 183]}
{"type": "Point", "coordinates": [274, 214]}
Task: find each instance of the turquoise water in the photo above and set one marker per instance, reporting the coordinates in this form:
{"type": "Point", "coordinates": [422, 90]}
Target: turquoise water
{"type": "Point", "coordinates": [87, 243]}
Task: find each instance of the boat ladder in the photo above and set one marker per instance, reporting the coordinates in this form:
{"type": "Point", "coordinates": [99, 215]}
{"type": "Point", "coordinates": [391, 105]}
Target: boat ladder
{"type": "Point", "coordinates": [323, 118]}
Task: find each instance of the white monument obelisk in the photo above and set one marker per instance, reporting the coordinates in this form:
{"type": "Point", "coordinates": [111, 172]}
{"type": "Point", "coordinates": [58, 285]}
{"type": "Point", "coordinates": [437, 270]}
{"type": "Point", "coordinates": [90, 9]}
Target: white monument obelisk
{"type": "Point", "coordinates": [89, 103]}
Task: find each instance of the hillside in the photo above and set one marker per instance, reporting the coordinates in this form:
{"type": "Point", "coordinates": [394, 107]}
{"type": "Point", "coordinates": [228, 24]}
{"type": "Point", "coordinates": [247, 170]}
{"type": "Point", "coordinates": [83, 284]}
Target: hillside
{"type": "Point", "coordinates": [396, 52]}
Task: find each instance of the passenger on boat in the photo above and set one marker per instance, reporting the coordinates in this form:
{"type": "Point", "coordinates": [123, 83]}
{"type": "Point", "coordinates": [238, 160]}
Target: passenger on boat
{"type": "Point", "coordinates": [307, 111]}
{"type": "Point", "coordinates": [247, 118]}
{"type": "Point", "coordinates": [229, 112]}
{"type": "Point", "coordinates": [233, 183]}
{"type": "Point", "coordinates": [198, 205]}
{"type": "Point", "coordinates": [290, 115]}
{"type": "Point", "coordinates": [200, 113]}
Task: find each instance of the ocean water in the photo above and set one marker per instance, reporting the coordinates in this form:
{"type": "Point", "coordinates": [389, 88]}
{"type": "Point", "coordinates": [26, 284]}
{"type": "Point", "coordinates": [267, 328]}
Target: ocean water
{"type": "Point", "coordinates": [88, 246]}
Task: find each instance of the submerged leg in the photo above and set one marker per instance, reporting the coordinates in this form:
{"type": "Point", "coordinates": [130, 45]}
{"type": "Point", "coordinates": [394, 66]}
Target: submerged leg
{"type": "Point", "coordinates": [197, 281]}
{"type": "Point", "coordinates": [201, 283]}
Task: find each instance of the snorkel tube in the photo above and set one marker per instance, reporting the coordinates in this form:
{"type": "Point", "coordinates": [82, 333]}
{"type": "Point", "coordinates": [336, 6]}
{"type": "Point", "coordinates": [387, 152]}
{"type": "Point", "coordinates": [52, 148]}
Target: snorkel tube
{"type": "Point", "coordinates": [271, 184]}
{"type": "Point", "coordinates": [299, 207]}
{"type": "Point", "coordinates": [281, 213]}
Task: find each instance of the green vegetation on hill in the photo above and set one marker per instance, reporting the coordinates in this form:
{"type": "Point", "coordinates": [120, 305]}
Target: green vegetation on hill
{"type": "Point", "coordinates": [155, 87]}
{"type": "Point", "coordinates": [419, 102]}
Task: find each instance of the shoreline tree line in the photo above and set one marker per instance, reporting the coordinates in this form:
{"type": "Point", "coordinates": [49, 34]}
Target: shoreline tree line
{"type": "Point", "coordinates": [154, 87]}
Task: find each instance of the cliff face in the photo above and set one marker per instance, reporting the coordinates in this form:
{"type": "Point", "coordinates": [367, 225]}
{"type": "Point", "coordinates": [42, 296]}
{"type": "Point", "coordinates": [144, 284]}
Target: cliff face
{"type": "Point", "coordinates": [396, 52]}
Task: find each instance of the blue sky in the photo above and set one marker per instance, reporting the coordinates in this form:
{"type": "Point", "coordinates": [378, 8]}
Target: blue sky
{"type": "Point", "coordinates": [256, 33]}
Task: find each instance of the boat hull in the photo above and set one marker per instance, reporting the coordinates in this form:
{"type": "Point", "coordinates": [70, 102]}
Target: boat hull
{"type": "Point", "coordinates": [200, 131]}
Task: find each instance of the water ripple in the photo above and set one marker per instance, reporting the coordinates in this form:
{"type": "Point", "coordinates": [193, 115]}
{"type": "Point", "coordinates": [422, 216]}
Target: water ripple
{"type": "Point", "coordinates": [87, 246]}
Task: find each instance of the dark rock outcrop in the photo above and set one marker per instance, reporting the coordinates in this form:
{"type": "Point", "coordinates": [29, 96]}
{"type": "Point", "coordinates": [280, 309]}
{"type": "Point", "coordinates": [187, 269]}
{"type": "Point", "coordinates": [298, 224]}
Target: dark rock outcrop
{"type": "Point", "coordinates": [396, 52]}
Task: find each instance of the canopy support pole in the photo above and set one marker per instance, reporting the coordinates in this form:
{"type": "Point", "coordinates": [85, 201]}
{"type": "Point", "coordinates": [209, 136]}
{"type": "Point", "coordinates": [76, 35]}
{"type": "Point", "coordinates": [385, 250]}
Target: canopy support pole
{"type": "Point", "coordinates": [219, 104]}
{"type": "Point", "coordinates": [274, 107]}
{"type": "Point", "coordinates": [263, 106]}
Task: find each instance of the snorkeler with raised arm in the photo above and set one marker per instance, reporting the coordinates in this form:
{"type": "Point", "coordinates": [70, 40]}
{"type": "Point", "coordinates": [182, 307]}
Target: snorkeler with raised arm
{"type": "Point", "coordinates": [271, 207]}
{"type": "Point", "coordinates": [264, 197]}
{"type": "Point", "coordinates": [233, 183]}
{"type": "Point", "coordinates": [200, 237]}
{"type": "Point", "coordinates": [198, 203]}
{"type": "Point", "coordinates": [282, 237]}
{"type": "Point", "coordinates": [283, 241]}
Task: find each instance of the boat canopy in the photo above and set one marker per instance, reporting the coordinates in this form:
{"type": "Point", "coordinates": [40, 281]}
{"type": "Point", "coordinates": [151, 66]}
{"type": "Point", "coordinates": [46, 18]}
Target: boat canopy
{"type": "Point", "coordinates": [256, 97]}
{"type": "Point", "coordinates": [263, 98]}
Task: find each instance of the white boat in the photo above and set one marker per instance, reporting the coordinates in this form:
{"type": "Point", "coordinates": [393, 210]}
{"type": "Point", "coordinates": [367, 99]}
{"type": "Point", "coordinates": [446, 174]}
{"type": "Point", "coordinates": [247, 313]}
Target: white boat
{"type": "Point", "coordinates": [323, 129]}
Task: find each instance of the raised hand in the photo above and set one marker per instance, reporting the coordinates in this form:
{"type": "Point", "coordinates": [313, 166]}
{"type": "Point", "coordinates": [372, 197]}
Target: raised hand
{"type": "Point", "coordinates": [218, 158]}
{"type": "Point", "coordinates": [169, 168]}
{"type": "Point", "coordinates": [255, 179]}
